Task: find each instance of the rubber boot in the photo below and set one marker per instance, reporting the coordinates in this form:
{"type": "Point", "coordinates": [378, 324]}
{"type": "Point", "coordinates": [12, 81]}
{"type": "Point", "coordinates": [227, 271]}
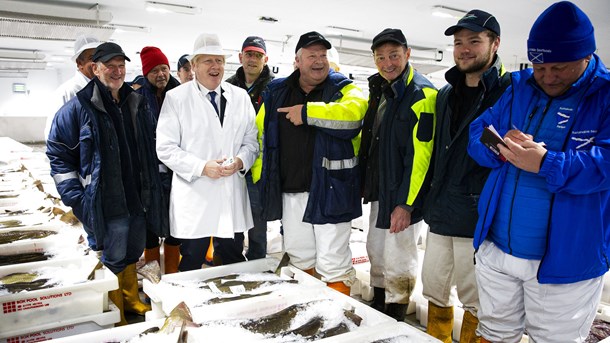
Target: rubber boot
{"type": "Point", "coordinates": [152, 255]}
{"type": "Point", "coordinates": [131, 293]}
{"type": "Point", "coordinates": [117, 298]}
{"type": "Point", "coordinates": [310, 271]}
{"type": "Point", "coordinates": [209, 255]}
{"type": "Point", "coordinates": [171, 257]}
{"type": "Point", "coordinates": [378, 299]}
{"type": "Point", "coordinates": [397, 311]}
{"type": "Point", "coordinates": [340, 287]}
{"type": "Point", "coordinates": [469, 328]}
{"type": "Point", "coordinates": [440, 322]}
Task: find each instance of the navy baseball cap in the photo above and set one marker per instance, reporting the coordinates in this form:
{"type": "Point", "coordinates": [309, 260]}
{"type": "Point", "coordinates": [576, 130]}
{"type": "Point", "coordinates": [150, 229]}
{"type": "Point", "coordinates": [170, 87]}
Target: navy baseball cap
{"type": "Point", "coordinates": [184, 59]}
{"type": "Point", "coordinates": [107, 51]}
{"type": "Point", "coordinates": [310, 38]}
{"type": "Point", "coordinates": [254, 43]}
{"type": "Point", "coordinates": [389, 35]}
{"type": "Point", "coordinates": [477, 21]}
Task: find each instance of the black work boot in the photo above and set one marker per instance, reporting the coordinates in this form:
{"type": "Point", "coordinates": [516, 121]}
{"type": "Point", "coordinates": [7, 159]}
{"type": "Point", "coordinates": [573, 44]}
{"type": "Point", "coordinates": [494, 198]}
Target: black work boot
{"type": "Point", "coordinates": [397, 311]}
{"type": "Point", "coordinates": [378, 299]}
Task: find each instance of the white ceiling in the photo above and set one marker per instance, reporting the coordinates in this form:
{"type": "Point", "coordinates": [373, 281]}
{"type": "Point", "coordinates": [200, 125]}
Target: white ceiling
{"type": "Point", "coordinates": [233, 20]}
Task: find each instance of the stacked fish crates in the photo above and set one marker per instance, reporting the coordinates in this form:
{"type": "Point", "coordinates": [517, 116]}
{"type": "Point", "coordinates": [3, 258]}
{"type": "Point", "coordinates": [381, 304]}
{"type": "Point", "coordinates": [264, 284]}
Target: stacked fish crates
{"type": "Point", "coordinates": [36, 234]}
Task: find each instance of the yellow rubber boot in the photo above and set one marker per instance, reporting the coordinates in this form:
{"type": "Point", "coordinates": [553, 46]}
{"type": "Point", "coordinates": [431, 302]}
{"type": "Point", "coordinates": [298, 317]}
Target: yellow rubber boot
{"type": "Point", "coordinates": [171, 257]}
{"type": "Point", "coordinates": [340, 287]}
{"type": "Point", "coordinates": [131, 293]}
{"type": "Point", "coordinates": [469, 327]}
{"type": "Point", "coordinates": [117, 298]}
{"type": "Point", "coordinates": [440, 322]}
{"type": "Point", "coordinates": [152, 255]}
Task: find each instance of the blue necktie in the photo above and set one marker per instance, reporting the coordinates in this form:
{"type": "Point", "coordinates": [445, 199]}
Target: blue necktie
{"type": "Point", "coordinates": [213, 100]}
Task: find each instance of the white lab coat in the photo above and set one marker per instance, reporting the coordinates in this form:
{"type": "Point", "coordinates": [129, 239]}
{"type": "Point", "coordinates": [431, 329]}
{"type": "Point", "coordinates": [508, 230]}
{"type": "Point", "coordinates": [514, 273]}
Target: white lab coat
{"type": "Point", "coordinates": [188, 135]}
{"type": "Point", "coordinates": [63, 94]}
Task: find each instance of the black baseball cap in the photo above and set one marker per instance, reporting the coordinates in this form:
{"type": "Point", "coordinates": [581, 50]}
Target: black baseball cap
{"type": "Point", "coordinates": [310, 38]}
{"type": "Point", "coordinates": [477, 21]}
{"type": "Point", "coordinates": [184, 59]}
{"type": "Point", "coordinates": [389, 35]}
{"type": "Point", "coordinates": [107, 51]}
{"type": "Point", "coordinates": [254, 43]}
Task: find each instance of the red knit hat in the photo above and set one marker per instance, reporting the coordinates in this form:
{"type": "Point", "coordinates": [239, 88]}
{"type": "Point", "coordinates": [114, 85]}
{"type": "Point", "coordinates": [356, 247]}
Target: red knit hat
{"type": "Point", "coordinates": [151, 57]}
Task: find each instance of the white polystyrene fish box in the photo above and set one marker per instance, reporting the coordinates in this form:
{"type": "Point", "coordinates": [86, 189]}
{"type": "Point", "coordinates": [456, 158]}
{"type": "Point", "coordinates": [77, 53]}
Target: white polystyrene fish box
{"type": "Point", "coordinates": [117, 334]}
{"type": "Point", "coordinates": [397, 332]}
{"type": "Point", "coordinates": [66, 237]}
{"type": "Point", "coordinates": [165, 295]}
{"type": "Point", "coordinates": [217, 328]}
{"type": "Point", "coordinates": [64, 327]}
{"type": "Point", "coordinates": [73, 296]}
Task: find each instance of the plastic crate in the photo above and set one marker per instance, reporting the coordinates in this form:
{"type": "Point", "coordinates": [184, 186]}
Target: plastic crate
{"type": "Point", "coordinates": [165, 297]}
{"type": "Point", "coordinates": [383, 332]}
{"type": "Point", "coordinates": [373, 322]}
{"type": "Point", "coordinates": [35, 308]}
{"type": "Point", "coordinates": [67, 237]}
{"type": "Point", "coordinates": [64, 327]}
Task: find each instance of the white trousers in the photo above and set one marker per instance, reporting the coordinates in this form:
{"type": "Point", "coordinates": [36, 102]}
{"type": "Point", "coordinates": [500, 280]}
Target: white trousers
{"type": "Point", "coordinates": [449, 261]}
{"type": "Point", "coordinates": [323, 247]}
{"type": "Point", "coordinates": [512, 300]}
{"type": "Point", "coordinates": [393, 257]}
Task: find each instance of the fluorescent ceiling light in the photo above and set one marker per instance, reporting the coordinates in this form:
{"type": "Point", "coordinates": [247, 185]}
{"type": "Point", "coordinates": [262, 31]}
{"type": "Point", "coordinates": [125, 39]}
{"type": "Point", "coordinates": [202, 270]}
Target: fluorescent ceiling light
{"type": "Point", "coordinates": [18, 54]}
{"type": "Point", "coordinates": [44, 11]}
{"type": "Point", "coordinates": [129, 28]}
{"type": "Point", "coordinates": [7, 74]}
{"type": "Point", "coordinates": [343, 31]}
{"type": "Point", "coordinates": [22, 65]}
{"type": "Point", "coordinates": [447, 12]}
{"type": "Point", "coordinates": [162, 7]}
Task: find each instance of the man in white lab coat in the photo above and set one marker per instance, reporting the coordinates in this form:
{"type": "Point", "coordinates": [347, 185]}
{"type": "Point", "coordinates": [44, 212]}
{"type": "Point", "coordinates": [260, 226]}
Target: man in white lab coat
{"type": "Point", "coordinates": [206, 134]}
{"type": "Point", "coordinates": [84, 46]}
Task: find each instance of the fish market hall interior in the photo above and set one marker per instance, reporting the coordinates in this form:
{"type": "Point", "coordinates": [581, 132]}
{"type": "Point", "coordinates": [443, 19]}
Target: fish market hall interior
{"type": "Point", "coordinates": [56, 280]}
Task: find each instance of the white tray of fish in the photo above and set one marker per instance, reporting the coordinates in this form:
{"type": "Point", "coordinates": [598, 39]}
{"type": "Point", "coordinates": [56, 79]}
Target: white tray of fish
{"type": "Point", "coordinates": [323, 319]}
{"type": "Point", "coordinates": [19, 219]}
{"type": "Point", "coordinates": [69, 291]}
{"type": "Point", "coordinates": [397, 332]}
{"type": "Point", "coordinates": [36, 238]}
{"type": "Point", "coordinates": [227, 290]}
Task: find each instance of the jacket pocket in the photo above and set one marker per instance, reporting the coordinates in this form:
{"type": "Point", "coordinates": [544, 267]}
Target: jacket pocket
{"type": "Point", "coordinates": [340, 189]}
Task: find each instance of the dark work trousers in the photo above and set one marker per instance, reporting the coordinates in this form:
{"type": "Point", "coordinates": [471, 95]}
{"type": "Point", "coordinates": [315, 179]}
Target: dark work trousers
{"type": "Point", "coordinates": [257, 236]}
{"type": "Point", "coordinates": [230, 250]}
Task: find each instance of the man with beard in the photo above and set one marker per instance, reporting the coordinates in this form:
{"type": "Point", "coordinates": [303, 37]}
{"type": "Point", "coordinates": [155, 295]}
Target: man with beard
{"type": "Point", "coordinates": [474, 84]}
{"type": "Point", "coordinates": [156, 82]}
{"type": "Point", "coordinates": [253, 76]}
{"type": "Point", "coordinates": [397, 138]}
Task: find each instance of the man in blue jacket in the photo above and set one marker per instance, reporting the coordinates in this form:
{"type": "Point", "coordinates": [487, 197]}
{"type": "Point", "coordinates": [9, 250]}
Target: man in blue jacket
{"type": "Point", "coordinates": [544, 216]}
{"type": "Point", "coordinates": [308, 167]}
{"type": "Point", "coordinates": [101, 150]}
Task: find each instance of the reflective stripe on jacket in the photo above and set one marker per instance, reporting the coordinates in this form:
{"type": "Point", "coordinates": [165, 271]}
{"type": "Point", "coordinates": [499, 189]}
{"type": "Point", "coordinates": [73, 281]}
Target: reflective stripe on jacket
{"type": "Point", "coordinates": [334, 193]}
